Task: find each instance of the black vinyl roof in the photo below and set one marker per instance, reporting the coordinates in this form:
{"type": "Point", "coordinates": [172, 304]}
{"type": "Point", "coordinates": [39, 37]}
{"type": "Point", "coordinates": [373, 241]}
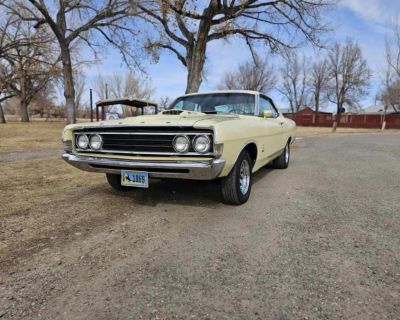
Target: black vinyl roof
{"type": "Point", "coordinates": [132, 102]}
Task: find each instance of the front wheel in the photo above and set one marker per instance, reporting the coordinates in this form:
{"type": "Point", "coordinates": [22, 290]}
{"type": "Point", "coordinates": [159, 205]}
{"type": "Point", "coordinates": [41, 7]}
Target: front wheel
{"type": "Point", "coordinates": [236, 186]}
{"type": "Point", "coordinates": [114, 180]}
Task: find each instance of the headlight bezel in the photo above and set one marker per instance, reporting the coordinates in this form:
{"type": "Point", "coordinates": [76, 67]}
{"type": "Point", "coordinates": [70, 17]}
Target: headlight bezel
{"type": "Point", "coordinates": [194, 143]}
{"type": "Point", "coordinates": [188, 143]}
{"type": "Point", "coordinates": [87, 141]}
{"type": "Point", "coordinates": [100, 141]}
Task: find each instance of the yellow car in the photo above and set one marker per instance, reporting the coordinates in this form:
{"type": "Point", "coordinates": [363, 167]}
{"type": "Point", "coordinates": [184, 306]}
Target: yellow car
{"type": "Point", "coordinates": [226, 135]}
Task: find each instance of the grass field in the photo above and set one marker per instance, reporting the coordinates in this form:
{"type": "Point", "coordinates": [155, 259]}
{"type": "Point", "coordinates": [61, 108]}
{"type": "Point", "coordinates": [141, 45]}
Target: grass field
{"type": "Point", "coordinates": [17, 136]}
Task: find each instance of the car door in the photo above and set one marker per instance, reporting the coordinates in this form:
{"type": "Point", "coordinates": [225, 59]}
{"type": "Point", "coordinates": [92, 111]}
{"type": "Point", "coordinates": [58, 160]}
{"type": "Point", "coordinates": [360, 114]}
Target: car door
{"type": "Point", "coordinates": [273, 126]}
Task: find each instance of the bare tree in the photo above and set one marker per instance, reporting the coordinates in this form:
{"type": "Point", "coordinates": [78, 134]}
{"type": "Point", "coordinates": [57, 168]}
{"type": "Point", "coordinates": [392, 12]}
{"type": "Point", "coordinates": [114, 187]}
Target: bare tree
{"type": "Point", "coordinates": [43, 102]}
{"type": "Point", "coordinates": [5, 93]}
{"type": "Point", "coordinates": [349, 75]}
{"type": "Point", "coordinates": [80, 87]}
{"type": "Point", "coordinates": [100, 86]}
{"type": "Point", "coordinates": [187, 27]}
{"type": "Point", "coordinates": [294, 80]}
{"type": "Point", "coordinates": [92, 23]}
{"type": "Point", "coordinates": [257, 75]}
{"type": "Point", "coordinates": [118, 86]}
{"type": "Point", "coordinates": [318, 83]}
{"type": "Point", "coordinates": [390, 94]}
{"type": "Point", "coordinates": [9, 41]}
{"type": "Point", "coordinates": [164, 103]}
{"type": "Point", "coordinates": [130, 85]}
{"type": "Point", "coordinates": [33, 69]}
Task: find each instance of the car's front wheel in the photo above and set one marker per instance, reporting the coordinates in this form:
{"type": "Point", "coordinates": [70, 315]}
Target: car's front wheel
{"type": "Point", "coordinates": [114, 180]}
{"type": "Point", "coordinates": [236, 186]}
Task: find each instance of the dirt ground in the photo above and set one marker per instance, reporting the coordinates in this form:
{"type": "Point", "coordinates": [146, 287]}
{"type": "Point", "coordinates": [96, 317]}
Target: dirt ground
{"type": "Point", "coordinates": [320, 240]}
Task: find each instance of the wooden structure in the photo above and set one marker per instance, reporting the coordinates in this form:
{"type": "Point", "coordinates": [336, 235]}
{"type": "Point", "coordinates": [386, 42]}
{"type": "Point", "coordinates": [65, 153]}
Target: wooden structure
{"type": "Point", "coordinates": [128, 102]}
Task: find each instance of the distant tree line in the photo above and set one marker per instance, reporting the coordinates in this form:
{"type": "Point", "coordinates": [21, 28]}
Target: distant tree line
{"type": "Point", "coordinates": [339, 75]}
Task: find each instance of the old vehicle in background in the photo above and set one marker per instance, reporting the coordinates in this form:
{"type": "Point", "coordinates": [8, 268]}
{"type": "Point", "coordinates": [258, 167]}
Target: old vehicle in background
{"type": "Point", "coordinates": [226, 135]}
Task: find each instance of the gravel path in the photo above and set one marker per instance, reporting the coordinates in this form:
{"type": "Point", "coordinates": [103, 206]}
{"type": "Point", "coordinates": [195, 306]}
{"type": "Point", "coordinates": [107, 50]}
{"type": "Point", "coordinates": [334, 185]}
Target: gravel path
{"type": "Point", "coordinates": [320, 240]}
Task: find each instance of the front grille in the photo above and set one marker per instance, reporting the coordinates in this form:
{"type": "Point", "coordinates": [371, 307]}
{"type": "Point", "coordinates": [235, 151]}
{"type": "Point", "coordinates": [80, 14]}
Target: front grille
{"type": "Point", "coordinates": [138, 143]}
{"type": "Point", "coordinates": [143, 140]}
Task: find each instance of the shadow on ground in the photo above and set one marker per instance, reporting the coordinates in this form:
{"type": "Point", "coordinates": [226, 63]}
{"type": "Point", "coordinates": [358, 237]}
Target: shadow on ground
{"type": "Point", "coordinates": [174, 191]}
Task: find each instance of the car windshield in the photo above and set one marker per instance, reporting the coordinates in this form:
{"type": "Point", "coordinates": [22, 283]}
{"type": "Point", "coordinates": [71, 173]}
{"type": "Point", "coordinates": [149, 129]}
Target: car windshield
{"type": "Point", "coordinates": [225, 103]}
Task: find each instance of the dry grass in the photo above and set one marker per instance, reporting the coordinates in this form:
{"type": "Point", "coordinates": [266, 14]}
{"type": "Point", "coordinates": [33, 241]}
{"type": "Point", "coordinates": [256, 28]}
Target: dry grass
{"type": "Point", "coordinates": [17, 136]}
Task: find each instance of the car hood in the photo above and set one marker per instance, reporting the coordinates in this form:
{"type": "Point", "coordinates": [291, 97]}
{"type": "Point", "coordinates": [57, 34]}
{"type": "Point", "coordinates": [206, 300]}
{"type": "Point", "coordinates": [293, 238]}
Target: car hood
{"type": "Point", "coordinates": [186, 118]}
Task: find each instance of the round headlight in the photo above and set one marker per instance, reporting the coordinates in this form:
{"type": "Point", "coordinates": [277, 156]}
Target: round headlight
{"type": "Point", "coordinates": [96, 142]}
{"type": "Point", "coordinates": [82, 141]}
{"type": "Point", "coordinates": [201, 144]}
{"type": "Point", "coordinates": [181, 144]}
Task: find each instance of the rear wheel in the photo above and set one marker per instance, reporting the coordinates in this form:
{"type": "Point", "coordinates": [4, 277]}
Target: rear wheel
{"type": "Point", "coordinates": [236, 186]}
{"type": "Point", "coordinates": [282, 162]}
{"type": "Point", "coordinates": [114, 180]}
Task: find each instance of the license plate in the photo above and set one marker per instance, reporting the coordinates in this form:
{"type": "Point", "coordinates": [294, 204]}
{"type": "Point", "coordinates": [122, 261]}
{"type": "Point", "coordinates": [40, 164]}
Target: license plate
{"type": "Point", "coordinates": [138, 179]}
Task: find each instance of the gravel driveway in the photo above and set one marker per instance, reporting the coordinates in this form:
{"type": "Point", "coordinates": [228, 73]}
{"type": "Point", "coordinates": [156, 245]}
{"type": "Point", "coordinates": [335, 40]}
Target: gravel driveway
{"type": "Point", "coordinates": [320, 240]}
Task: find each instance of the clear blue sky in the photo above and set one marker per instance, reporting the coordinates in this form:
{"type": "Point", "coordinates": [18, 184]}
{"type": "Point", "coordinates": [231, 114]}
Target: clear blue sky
{"type": "Point", "coordinates": [366, 21]}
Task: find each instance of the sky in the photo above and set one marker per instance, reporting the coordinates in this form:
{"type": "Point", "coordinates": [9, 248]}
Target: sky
{"type": "Point", "coordinates": [368, 22]}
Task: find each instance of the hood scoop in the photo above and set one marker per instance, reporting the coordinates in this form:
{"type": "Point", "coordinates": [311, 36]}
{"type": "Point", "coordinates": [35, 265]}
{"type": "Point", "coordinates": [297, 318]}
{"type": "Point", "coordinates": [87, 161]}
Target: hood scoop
{"type": "Point", "coordinates": [172, 112]}
{"type": "Point", "coordinates": [182, 113]}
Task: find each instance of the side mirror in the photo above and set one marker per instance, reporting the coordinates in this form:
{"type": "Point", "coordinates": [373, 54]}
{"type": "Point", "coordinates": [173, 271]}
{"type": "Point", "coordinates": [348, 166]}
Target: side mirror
{"type": "Point", "coordinates": [267, 114]}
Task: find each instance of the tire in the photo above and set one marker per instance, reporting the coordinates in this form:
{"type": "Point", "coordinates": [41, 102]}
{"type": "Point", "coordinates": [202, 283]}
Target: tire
{"type": "Point", "coordinates": [282, 162]}
{"type": "Point", "coordinates": [114, 180]}
{"type": "Point", "coordinates": [236, 186]}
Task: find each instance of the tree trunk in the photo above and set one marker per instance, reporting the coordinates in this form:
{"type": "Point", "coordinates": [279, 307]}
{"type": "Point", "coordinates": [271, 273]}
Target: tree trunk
{"type": "Point", "coordinates": [196, 55]}
{"type": "Point", "coordinates": [195, 68]}
{"type": "Point", "coordinates": [2, 117]}
{"type": "Point", "coordinates": [23, 106]}
{"type": "Point", "coordinates": [69, 90]}
{"type": "Point", "coordinates": [337, 118]}
{"type": "Point", "coordinates": [317, 109]}
{"type": "Point", "coordinates": [24, 111]}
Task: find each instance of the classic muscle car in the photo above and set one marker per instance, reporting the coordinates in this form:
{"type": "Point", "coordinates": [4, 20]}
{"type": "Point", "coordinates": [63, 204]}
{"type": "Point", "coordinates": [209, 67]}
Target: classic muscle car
{"type": "Point", "coordinates": [225, 135]}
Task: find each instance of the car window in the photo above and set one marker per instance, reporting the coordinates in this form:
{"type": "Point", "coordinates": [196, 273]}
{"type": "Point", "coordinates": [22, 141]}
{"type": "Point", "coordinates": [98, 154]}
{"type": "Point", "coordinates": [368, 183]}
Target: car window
{"type": "Point", "coordinates": [234, 103]}
{"type": "Point", "coordinates": [266, 105]}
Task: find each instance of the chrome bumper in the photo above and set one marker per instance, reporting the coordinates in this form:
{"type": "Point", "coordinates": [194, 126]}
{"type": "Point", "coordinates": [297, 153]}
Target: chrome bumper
{"type": "Point", "coordinates": [196, 170]}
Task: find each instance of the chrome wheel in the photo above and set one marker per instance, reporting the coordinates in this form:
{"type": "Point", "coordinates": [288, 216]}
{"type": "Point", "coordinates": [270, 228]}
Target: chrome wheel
{"type": "Point", "coordinates": [244, 178]}
{"type": "Point", "coordinates": [286, 154]}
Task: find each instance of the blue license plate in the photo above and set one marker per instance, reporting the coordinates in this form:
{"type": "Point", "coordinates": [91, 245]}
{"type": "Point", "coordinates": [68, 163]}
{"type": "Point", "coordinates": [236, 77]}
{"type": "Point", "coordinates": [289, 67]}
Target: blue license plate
{"type": "Point", "coordinates": [138, 179]}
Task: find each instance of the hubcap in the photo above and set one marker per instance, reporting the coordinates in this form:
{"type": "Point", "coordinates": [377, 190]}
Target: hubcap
{"type": "Point", "coordinates": [244, 176]}
{"type": "Point", "coordinates": [286, 154]}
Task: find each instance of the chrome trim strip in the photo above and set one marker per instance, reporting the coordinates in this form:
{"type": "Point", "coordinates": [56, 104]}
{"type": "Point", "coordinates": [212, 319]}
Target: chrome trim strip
{"type": "Point", "coordinates": [145, 133]}
{"type": "Point", "coordinates": [136, 125]}
{"type": "Point", "coordinates": [198, 170]}
{"type": "Point", "coordinates": [89, 151]}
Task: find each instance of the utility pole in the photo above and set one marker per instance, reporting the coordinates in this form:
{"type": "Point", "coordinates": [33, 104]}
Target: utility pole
{"type": "Point", "coordinates": [91, 105]}
{"type": "Point", "coordinates": [104, 108]}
